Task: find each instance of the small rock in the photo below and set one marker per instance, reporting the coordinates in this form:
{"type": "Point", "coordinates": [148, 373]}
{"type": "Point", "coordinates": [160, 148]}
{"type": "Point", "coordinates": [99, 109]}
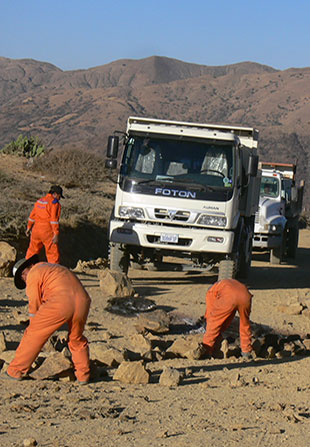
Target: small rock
{"type": "Point", "coordinates": [29, 442]}
{"type": "Point", "coordinates": [115, 283]}
{"type": "Point", "coordinates": [170, 377]}
{"type": "Point", "coordinates": [132, 372]}
{"type": "Point", "coordinates": [7, 259]}
{"type": "Point", "coordinates": [157, 321]}
{"type": "Point", "coordinates": [106, 355]}
{"type": "Point", "coordinates": [3, 345]}
{"type": "Point", "coordinates": [20, 317]}
{"type": "Point", "coordinates": [291, 309]}
{"type": "Point", "coordinates": [188, 347]}
{"type": "Point", "coordinates": [140, 344]}
{"type": "Point", "coordinates": [53, 365]}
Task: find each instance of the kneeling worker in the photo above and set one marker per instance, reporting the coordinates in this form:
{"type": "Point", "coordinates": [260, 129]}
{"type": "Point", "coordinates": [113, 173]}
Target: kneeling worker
{"type": "Point", "coordinates": [223, 299]}
{"type": "Point", "coordinates": [56, 296]}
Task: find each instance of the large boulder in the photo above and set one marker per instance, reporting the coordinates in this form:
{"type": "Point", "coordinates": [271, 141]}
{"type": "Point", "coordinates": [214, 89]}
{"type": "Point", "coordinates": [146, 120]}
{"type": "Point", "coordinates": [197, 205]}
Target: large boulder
{"type": "Point", "coordinates": [7, 259]}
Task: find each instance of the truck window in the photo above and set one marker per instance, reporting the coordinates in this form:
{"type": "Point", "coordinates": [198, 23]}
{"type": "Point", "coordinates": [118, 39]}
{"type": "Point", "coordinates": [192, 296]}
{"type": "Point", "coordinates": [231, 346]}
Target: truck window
{"type": "Point", "coordinates": [269, 187]}
{"type": "Point", "coordinates": [197, 161]}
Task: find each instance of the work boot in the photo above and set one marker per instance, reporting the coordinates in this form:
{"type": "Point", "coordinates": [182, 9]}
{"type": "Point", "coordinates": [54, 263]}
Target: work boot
{"type": "Point", "coordinates": [7, 376]}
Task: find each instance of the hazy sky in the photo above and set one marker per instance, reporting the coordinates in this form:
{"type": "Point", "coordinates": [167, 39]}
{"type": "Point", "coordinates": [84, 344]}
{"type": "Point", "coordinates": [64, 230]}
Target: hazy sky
{"type": "Point", "coordinates": [73, 34]}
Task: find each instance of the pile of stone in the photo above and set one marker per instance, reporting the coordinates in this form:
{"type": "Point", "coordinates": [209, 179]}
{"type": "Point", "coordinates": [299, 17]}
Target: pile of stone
{"type": "Point", "coordinates": [129, 359]}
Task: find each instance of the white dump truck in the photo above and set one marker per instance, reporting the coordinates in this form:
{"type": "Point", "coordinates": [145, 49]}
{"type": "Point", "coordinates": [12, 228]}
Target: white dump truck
{"type": "Point", "coordinates": [276, 222]}
{"type": "Point", "coordinates": [187, 191]}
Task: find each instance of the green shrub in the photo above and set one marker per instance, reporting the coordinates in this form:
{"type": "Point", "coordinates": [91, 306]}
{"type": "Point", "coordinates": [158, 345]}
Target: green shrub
{"type": "Point", "coordinates": [28, 147]}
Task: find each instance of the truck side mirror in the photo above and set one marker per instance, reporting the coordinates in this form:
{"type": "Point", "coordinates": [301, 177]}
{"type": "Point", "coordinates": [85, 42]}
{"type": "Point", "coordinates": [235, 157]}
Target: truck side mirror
{"type": "Point", "coordinates": [253, 165]}
{"type": "Point", "coordinates": [112, 148]}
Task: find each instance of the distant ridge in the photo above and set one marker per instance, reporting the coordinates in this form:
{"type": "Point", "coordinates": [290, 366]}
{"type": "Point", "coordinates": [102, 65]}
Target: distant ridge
{"type": "Point", "coordinates": [80, 108]}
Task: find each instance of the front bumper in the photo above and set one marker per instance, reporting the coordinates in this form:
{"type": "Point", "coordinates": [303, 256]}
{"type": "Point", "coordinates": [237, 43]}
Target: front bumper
{"type": "Point", "coordinates": [265, 240]}
{"type": "Point", "coordinates": [181, 238]}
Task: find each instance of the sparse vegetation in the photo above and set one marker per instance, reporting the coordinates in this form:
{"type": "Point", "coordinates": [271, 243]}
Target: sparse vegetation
{"type": "Point", "coordinates": [24, 146]}
{"type": "Point", "coordinates": [71, 168]}
{"type": "Point", "coordinates": [85, 210]}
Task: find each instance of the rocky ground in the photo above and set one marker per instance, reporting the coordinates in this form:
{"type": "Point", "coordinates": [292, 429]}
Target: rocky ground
{"type": "Point", "coordinates": [222, 401]}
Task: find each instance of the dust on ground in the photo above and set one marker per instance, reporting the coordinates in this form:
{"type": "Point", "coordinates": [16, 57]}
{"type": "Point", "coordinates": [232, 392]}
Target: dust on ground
{"type": "Point", "coordinates": [220, 402]}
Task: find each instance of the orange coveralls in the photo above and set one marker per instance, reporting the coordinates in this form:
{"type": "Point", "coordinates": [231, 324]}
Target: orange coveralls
{"type": "Point", "coordinates": [223, 299]}
{"type": "Point", "coordinates": [44, 222]}
{"type": "Point", "coordinates": [56, 296]}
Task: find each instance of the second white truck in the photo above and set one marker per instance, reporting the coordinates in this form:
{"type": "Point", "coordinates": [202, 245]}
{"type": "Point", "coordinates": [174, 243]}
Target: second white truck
{"type": "Point", "coordinates": [276, 222]}
{"type": "Point", "coordinates": [184, 190]}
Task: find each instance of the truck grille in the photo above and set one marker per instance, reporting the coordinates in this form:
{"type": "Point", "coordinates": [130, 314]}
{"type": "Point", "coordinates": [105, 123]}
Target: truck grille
{"type": "Point", "coordinates": [172, 215]}
{"type": "Point", "coordinates": [257, 217]}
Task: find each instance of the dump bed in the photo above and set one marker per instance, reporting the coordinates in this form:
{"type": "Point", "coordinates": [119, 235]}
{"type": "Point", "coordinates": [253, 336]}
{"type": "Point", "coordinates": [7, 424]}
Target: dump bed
{"type": "Point", "coordinates": [248, 136]}
{"type": "Point", "coordinates": [288, 170]}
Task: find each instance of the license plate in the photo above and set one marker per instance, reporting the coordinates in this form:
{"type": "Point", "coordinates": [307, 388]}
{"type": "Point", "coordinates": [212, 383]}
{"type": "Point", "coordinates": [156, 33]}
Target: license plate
{"type": "Point", "coordinates": [172, 238]}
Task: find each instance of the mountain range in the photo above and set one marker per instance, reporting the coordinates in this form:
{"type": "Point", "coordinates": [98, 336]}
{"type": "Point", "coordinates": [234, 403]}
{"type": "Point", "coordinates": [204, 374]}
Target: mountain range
{"type": "Point", "coordinates": [80, 108]}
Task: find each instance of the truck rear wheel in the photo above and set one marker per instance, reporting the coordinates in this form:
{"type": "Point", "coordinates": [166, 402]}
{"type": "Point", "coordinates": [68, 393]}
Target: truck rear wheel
{"type": "Point", "coordinates": [119, 259]}
{"type": "Point", "coordinates": [227, 268]}
{"type": "Point", "coordinates": [292, 242]}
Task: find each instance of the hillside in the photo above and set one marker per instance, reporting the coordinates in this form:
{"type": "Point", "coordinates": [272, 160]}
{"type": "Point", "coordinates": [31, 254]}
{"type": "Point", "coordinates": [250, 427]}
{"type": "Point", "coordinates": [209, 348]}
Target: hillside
{"type": "Point", "coordinates": [79, 109]}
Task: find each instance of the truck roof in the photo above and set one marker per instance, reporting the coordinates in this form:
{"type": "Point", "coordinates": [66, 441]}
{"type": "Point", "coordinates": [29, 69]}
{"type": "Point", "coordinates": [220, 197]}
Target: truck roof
{"type": "Point", "coordinates": [248, 136]}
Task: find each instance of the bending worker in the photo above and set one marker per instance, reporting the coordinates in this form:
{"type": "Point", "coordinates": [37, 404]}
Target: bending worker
{"type": "Point", "coordinates": [223, 299]}
{"type": "Point", "coordinates": [43, 225]}
{"type": "Point", "coordinates": [56, 296]}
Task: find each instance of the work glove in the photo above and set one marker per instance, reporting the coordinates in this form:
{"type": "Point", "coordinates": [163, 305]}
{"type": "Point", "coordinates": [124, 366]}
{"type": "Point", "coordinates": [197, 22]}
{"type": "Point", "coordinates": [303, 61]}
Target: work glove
{"type": "Point", "coordinates": [247, 355]}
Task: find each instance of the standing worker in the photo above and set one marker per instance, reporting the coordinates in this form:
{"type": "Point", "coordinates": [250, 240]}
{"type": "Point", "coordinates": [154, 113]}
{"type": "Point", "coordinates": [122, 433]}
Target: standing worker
{"type": "Point", "coordinates": [223, 299]}
{"type": "Point", "coordinates": [43, 225]}
{"type": "Point", "coordinates": [56, 296]}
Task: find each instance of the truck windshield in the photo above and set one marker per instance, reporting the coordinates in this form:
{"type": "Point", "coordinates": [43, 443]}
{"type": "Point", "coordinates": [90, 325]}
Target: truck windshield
{"type": "Point", "coordinates": [269, 187]}
{"type": "Point", "coordinates": [173, 161]}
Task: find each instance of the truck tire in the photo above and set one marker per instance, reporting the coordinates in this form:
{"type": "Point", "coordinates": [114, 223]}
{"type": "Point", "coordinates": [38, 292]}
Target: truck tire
{"type": "Point", "coordinates": [277, 253]}
{"type": "Point", "coordinates": [244, 260]}
{"type": "Point", "coordinates": [119, 259]}
{"type": "Point", "coordinates": [227, 268]}
{"type": "Point", "coordinates": [292, 242]}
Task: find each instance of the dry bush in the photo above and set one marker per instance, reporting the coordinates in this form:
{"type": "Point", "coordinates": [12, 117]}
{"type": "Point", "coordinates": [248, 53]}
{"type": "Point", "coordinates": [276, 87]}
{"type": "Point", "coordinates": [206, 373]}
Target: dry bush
{"type": "Point", "coordinates": [84, 216]}
{"type": "Point", "coordinates": [16, 199]}
{"type": "Point", "coordinates": [71, 168]}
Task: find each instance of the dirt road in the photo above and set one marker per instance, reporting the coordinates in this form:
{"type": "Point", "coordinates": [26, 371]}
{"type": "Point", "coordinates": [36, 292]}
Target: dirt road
{"type": "Point", "coordinates": [220, 402]}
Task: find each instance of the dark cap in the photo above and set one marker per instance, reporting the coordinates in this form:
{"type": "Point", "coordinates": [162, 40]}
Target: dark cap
{"type": "Point", "coordinates": [57, 189]}
{"type": "Point", "coordinates": [19, 267]}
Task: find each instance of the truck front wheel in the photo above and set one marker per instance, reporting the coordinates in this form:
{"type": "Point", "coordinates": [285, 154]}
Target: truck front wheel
{"type": "Point", "coordinates": [119, 259]}
{"type": "Point", "coordinates": [292, 242]}
{"type": "Point", "coordinates": [277, 253]}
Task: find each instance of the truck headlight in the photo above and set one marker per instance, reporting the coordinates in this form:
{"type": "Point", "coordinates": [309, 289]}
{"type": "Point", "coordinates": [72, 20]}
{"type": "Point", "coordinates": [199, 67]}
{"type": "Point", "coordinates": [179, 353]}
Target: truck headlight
{"type": "Point", "coordinates": [215, 221]}
{"type": "Point", "coordinates": [275, 228]}
{"type": "Point", "coordinates": [129, 212]}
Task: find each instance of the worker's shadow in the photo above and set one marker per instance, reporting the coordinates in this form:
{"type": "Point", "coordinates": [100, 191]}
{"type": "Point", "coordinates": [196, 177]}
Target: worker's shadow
{"type": "Point", "coordinates": [236, 366]}
{"type": "Point", "coordinates": [12, 303]}
{"type": "Point", "coordinates": [209, 368]}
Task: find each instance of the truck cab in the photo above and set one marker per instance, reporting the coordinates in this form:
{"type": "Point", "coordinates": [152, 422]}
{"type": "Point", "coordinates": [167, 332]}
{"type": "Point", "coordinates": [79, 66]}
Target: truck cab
{"type": "Point", "coordinates": [186, 190]}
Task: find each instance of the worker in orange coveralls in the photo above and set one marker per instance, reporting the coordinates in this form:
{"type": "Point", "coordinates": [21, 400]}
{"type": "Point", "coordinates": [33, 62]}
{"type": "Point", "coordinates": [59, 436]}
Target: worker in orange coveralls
{"type": "Point", "coordinates": [43, 225]}
{"type": "Point", "coordinates": [223, 299]}
{"type": "Point", "coordinates": [56, 296]}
